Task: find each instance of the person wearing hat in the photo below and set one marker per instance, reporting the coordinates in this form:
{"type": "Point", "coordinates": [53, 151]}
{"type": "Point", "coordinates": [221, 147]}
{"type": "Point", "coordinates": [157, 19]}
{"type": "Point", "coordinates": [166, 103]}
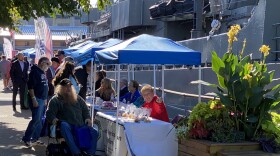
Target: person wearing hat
{"type": "Point", "coordinates": [51, 74]}
{"type": "Point", "coordinates": [69, 108]}
{"type": "Point", "coordinates": [60, 55]}
{"type": "Point", "coordinates": [38, 94]}
{"type": "Point", "coordinates": [66, 59]}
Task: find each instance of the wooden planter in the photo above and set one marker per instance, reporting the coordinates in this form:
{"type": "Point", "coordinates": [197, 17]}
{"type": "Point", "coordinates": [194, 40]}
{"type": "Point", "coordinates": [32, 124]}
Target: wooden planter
{"type": "Point", "coordinates": [207, 148]}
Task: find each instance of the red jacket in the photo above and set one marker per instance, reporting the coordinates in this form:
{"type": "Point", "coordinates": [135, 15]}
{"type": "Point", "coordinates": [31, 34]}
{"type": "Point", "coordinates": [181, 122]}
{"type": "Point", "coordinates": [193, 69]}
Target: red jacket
{"type": "Point", "coordinates": [158, 110]}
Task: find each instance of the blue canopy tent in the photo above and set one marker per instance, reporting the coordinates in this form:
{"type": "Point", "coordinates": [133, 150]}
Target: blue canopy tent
{"type": "Point", "coordinates": [148, 49]}
{"type": "Point", "coordinates": [83, 55]}
{"type": "Point", "coordinates": [31, 53]}
{"type": "Point", "coordinates": [69, 50]}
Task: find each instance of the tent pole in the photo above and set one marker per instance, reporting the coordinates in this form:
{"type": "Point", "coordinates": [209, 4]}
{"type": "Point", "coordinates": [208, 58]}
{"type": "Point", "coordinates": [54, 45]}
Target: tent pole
{"type": "Point", "coordinates": [132, 66]}
{"type": "Point", "coordinates": [162, 81]}
{"type": "Point", "coordinates": [118, 102]}
{"type": "Point", "coordinates": [155, 85]}
{"type": "Point", "coordinates": [128, 72]}
{"type": "Point", "coordinates": [91, 90]}
{"type": "Point", "coordinates": [115, 83]}
{"type": "Point", "coordinates": [199, 85]}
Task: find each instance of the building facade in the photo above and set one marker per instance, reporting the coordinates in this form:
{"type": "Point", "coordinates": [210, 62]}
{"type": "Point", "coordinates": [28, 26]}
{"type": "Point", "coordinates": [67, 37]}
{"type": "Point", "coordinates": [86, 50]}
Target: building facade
{"type": "Point", "coordinates": [63, 29]}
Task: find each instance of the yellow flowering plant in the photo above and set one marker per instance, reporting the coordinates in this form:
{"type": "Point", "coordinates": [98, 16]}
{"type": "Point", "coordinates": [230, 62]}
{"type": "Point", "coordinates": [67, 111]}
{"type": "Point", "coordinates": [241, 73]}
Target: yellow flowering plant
{"type": "Point", "coordinates": [242, 88]}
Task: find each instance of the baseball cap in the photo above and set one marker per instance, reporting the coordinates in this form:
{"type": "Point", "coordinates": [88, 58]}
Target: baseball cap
{"type": "Point", "coordinates": [65, 82]}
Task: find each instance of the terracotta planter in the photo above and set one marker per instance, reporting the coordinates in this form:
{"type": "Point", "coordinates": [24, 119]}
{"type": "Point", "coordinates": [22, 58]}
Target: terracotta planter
{"type": "Point", "coordinates": [207, 148]}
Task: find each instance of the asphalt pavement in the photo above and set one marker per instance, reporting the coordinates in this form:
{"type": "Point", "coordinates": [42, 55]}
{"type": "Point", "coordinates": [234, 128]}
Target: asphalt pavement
{"type": "Point", "coordinates": [12, 128]}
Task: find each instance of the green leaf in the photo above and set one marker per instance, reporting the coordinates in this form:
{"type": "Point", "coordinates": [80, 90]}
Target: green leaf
{"type": "Point", "coordinates": [13, 11]}
{"type": "Point", "coordinates": [232, 83]}
{"type": "Point", "coordinates": [275, 105]}
{"type": "Point", "coordinates": [221, 81]}
{"type": "Point", "coordinates": [252, 118]}
{"type": "Point", "coordinates": [245, 60]}
{"type": "Point", "coordinates": [265, 80]}
{"type": "Point", "coordinates": [217, 63]}
{"type": "Point", "coordinates": [220, 89]}
{"type": "Point", "coordinates": [239, 91]}
{"type": "Point", "coordinates": [256, 97]}
{"type": "Point", "coordinates": [225, 100]}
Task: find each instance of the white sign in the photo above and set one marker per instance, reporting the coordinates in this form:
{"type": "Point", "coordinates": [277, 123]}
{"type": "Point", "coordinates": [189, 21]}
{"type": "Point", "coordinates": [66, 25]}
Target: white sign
{"type": "Point", "coordinates": [43, 39]}
{"type": "Point", "coordinates": [107, 141]}
{"type": "Point", "coordinates": [7, 48]}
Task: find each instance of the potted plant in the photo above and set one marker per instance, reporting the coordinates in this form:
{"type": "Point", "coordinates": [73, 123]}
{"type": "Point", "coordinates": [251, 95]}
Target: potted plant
{"type": "Point", "coordinates": [246, 103]}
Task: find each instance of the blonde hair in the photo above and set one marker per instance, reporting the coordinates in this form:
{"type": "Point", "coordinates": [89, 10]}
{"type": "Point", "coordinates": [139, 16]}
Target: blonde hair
{"type": "Point", "coordinates": [106, 89]}
{"type": "Point", "coordinates": [147, 87]}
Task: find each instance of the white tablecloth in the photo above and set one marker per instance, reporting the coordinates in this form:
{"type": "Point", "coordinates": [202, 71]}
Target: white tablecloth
{"type": "Point", "coordinates": [157, 138]}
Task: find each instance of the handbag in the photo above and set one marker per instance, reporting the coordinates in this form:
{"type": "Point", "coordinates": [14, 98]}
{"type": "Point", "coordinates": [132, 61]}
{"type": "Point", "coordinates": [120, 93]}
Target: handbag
{"type": "Point", "coordinates": [83, 137]}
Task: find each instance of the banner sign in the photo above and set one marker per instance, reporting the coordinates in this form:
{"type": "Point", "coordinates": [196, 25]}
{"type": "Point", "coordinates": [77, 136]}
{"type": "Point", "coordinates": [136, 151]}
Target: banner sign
{"type": "Point", "coordinates": [8, 48]}
{"type": "Point", "coordinates": [43, 39]}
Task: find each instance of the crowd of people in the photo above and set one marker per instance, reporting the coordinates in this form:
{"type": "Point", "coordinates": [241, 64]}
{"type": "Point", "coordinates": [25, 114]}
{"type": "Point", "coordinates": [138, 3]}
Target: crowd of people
{"type": "Point", "coordinates": [58, 89]}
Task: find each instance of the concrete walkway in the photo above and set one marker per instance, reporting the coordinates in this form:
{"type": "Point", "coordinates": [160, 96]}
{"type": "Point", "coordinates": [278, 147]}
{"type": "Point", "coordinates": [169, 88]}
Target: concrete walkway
{"type": "Point", "coordinates": [12, 128]}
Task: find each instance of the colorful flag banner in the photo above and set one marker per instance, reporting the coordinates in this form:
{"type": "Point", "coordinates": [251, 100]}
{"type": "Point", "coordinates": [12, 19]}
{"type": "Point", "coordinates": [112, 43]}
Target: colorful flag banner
{"type": "Point", "coordinates": [43, 39]}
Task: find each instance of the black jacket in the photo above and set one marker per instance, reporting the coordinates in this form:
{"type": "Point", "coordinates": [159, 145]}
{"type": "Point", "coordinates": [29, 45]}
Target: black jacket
{"type": "Point", "coordinates": [50, 78]}
{"type": "Point", "coordinates": [123, 91]}
{"type": "Point", "coordinates": [38, 82]}
{"type": "Point", "coordinates": [19, 76]}
{"type": "Point", "coordinates": [81, 76]}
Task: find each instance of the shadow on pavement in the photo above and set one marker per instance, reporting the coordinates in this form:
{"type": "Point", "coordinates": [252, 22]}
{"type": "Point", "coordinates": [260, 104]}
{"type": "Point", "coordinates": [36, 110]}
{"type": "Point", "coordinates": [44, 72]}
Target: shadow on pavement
{"type": "Point", "coordinates": [23, 114]}
{"type": "Point", "coordinates": [11, 146]}
{"type": "Point", "coordinates": [6, 91]}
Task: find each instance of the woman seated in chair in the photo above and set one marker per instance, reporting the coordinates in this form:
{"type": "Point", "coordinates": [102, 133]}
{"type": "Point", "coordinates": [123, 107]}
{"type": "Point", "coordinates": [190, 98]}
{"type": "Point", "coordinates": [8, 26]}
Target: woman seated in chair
{"type": "Point", "coordinates": [155, 103]}
{"type": "Point", "coordinates": [69, 108]}
{"type": "Point", "coordinates": [106, 91]}
{"type": "Point", "coordinates": [133, 93]}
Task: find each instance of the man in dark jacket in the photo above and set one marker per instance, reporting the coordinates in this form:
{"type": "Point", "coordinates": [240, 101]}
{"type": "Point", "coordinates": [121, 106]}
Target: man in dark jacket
{"type": "Point", "coordinates": [81, 74]}
{"type": "Point", "coordinates": [123, 86]}
{"type": "Point", "coordinates": [19, 78]}
{"type": "Point", "coordinates": [38, 94]}
{"type": "Point", "coordinates": [51, 74]}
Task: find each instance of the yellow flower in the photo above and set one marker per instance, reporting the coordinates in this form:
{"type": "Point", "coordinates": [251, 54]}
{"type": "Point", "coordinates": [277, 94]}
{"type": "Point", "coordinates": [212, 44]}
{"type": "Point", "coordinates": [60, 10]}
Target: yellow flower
{"type": "Point", "coordinates": [250, 66]}
{"type": "Point", "coordinates": [247, 77]}
{"type": "Point", "coordinates": [212, 105]}
{"type": "Point", "coordinates": [232, 33]}
{"type": "Point", "coordinates": [265, 50]}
